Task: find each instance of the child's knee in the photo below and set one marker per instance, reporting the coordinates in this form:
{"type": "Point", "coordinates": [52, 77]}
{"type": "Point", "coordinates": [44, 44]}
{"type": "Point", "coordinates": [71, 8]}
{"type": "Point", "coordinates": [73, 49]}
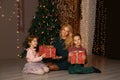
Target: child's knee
{"type": "Point", "coordinates": [46, 69]}
{"type": "Point", "coordinates": [39, 72]}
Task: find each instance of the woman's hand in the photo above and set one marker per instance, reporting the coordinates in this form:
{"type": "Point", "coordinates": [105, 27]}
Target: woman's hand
{"type": "Point", "coordinates": [58, 57]}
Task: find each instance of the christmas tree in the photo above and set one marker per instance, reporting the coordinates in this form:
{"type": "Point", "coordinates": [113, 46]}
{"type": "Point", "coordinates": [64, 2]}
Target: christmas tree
{"type": "Point", "coordinates": [45, 24]}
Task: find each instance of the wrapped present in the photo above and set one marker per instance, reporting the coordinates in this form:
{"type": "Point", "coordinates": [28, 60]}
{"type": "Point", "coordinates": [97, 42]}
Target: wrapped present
{"type": "Point", "coordinates": [50, 51]}
{"type": "Point", "coordinates": [77, 57]}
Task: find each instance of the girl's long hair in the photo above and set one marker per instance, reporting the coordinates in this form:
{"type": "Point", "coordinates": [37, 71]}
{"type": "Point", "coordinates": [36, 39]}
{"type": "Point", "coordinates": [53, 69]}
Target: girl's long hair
{"type": "Point", "coordinates": [68, 40]}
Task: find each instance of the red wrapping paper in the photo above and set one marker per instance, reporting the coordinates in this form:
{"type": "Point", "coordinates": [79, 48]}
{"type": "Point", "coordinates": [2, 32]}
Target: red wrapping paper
{"type": "Point", "coordinates": [50, 51]}
{"type": "Point", "coordinates": [77, 57]}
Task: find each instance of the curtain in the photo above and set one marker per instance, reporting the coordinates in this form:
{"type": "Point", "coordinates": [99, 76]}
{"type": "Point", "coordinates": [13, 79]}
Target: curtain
{"type": "Point", "coordinates": [70, 12]}
{"type": "Point", "coordinates": [100, 29]}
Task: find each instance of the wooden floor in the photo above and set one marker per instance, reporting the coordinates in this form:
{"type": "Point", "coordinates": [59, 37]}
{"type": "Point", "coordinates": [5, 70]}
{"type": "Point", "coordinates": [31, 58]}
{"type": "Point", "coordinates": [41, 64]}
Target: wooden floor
{"type": "Point", "coordinates": [11, 70]}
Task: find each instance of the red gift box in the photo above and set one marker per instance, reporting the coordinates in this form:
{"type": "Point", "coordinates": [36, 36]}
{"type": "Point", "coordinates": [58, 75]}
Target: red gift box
{"type": "Point", "coordinates": [50, 51]}
{"type": "Point", "coordinates": [77, 57]}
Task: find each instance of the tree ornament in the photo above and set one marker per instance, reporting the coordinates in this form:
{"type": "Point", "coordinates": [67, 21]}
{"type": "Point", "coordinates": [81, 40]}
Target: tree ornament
{"type": "Point", "coordinates": [42, 32]}
{"type": "Point", "coordinates": [34, 17]}
{"type": "Point", "coordinates": [47, 24]}
{"type": "Point", "coordinates": [53, 3]}
{"type": "Point", "coordinates": [52, 39]}
{"type": "Point", "coordinates": [42, 16]}
{"type": "Point", "coordinates": [53, 26]}
{"type": "Point", "coordinates": [43, 21]}
{"type": "Point", "coordinates": [51, 0]}
{"type": "Point", "coordinates": [40, 6]}
{"type": "Point", "coordinates": [56, 14]}
{"type": "Point", "coordinates": [48, 14]}
{"type": "Point", "coordinates": [46, 17]}
{"type": "Point", "coordinates": [50, 29]}
{"type": "Point", "coordinates": [40, 26]}
{"type": "Point", "coordinates": [55, 20]}
{"type": "Point", "coordinates": [44, 6]}
{"type": "Point", "coordinates": [53, 10]}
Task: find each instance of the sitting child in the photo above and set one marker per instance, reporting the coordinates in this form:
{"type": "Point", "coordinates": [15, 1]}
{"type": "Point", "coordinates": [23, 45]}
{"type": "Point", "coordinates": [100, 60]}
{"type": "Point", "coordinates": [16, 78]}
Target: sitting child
{"type": "Point", "coordinates": [34, 61]}
{"type": "Point", "coordinates": [79, 68]}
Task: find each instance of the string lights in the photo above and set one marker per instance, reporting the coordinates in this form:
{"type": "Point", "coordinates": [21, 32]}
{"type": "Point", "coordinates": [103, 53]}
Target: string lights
{"type": "Point", "coordinates": [100, 34]}
{"type": "Point", "coordinates": [16, 11]}
{"type": "Point", "coordinates": [20, 23]}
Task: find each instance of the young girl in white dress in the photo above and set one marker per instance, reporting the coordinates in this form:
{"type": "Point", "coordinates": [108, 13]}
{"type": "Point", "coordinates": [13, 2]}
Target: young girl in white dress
{"type": "Point", "coordinates": [34, 61]}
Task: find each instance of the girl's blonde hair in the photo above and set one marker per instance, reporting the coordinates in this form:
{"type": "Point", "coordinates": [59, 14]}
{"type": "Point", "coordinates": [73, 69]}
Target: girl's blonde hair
{"type": "Point", "coordinates": [68, 40]}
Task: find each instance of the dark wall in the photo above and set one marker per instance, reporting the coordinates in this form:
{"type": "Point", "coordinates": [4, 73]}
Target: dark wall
{"type": "Point", "coordinates": [8, 26]}
{"type": "Point", "coordinates": [113, 30]}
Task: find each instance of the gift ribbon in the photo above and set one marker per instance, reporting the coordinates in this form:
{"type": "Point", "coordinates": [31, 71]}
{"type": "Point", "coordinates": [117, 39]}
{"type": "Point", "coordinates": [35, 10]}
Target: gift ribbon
{"type": "Point", "coordinates": [77, 52]}
{"type": "Point", "coordinates": [50, 52]}
{"type": "Point", "coordinates": [77, 57]}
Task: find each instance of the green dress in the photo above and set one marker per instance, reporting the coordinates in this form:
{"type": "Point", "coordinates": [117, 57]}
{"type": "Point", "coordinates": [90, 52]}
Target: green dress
{"type": "Point", "coordinates": [79, 68]}
{"type": "Point", "coordinates": [60, 51]}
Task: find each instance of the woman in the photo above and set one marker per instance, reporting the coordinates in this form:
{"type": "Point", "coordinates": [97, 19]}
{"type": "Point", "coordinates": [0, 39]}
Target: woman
{"type": "Point", "coordinates": [62, 43]}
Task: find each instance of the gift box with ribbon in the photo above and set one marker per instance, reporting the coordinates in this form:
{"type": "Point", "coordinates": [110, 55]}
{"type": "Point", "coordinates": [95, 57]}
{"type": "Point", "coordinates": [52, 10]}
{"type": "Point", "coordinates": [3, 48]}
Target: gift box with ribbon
{"type": "Point", "coordinates": [50, 51]}
{"type": "Point", "coordinates": [77, 57]}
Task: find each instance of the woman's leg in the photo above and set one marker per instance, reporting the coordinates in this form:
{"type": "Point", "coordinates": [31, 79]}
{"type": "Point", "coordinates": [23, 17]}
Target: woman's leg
{"type": "Point", "coordinates": [48, 63]}
{"type": "Point", "coordinates": [54, 67]}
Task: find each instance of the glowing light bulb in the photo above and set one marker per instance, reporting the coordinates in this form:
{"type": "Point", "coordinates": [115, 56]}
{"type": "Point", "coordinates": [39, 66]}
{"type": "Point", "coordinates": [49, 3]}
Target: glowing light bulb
{"type": "Point", "coordinates": [2, 15]}
{"type": "Point", "coordinates": [9, 19]}
{"type": "Point", "coordinates": [18, 47]}
{"type": "Point", "coordinates": [17, 0]}
{"type": "Point", "coordinates": [0, 7]}
{"type": "Point", "coordinates": [13, 12]}
{"type": "Point", "coordinates": [18, 16]}
{"type": "Point", "coordinates": [18, 32]}
{"type": "Point", "coordinates": [18, 39]}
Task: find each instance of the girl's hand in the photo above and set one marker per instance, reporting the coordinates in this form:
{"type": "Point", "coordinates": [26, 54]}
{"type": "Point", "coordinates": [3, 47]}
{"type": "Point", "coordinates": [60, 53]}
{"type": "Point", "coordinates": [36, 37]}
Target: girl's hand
{"type": "Point", "coordinates": [84, 57]}
{"type": "Point", "coordinates": [70, 54]}
{"type": "Point", "coordinates": [43, 55]}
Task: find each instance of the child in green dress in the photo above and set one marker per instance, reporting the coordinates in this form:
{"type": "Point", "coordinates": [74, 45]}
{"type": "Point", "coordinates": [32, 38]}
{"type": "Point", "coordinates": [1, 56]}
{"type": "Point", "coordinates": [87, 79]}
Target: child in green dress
{"type": "Point", "coordinates": [79, 68]}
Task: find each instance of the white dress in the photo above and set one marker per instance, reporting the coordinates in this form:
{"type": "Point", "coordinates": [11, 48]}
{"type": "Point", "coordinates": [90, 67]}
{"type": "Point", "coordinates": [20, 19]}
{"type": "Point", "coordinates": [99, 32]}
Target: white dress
{"type": "Point", "coordinates": [34, 62]}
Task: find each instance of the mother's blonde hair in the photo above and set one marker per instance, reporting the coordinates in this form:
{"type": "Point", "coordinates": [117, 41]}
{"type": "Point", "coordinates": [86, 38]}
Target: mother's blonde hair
{"type": "Point", "coordinates": [68, 40]}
